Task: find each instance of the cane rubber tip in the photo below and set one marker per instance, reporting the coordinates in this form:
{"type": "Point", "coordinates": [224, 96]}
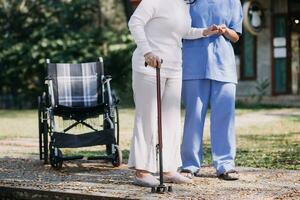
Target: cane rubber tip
{"type": "Point", "coordinates": [153, 189]}
{"type": "Point", "coordinates": [170, 189]}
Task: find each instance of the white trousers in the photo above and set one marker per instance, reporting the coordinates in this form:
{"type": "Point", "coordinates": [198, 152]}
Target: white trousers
{"type": "Point", "coordinates": [145, 137]}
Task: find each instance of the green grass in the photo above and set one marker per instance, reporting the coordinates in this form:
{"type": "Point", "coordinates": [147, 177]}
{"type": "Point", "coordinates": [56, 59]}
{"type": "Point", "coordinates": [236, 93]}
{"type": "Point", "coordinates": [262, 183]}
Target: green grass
{"type": "Point", "coordinates": [268, 151]}
{"type": "Point", "coordinates": [259, 106]}
{"type": "Point", "coordinates": [24, 123]}
{"type": "Point", "coordinates": [18, 124]}
{"type": "Point", "coordinates": [271, 145]}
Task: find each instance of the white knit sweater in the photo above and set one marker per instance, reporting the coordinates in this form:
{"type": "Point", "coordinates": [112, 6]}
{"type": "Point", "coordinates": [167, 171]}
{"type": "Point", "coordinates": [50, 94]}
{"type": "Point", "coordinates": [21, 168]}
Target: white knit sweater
{"type": "Point", "coordinates": [158, 26]}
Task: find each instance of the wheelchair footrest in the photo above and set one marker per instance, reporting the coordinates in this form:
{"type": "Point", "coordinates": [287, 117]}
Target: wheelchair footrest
{"type": "Point", "coordinates": [72, 157]}
{"type": "Point", "coordinates": [99, 158]}
{"type": "Point", "coordinates": [66, 140]}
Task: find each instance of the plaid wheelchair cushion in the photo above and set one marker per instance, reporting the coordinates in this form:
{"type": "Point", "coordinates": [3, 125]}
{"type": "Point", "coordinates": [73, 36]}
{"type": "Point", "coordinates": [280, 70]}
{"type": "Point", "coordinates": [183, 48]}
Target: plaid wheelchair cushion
{"type": "Point", "coordinates": [77, 85]}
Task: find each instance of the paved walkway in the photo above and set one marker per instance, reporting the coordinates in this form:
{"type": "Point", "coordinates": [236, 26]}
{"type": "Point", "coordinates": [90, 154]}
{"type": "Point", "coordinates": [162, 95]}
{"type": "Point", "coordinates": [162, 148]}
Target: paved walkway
{"type": "Point", "coordinates": [101, 179]}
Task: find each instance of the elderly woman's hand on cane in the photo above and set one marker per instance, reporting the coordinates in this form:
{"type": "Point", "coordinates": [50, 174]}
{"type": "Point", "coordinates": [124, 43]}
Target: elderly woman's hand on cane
{"type": "Point", "coordinates": [152, 60]}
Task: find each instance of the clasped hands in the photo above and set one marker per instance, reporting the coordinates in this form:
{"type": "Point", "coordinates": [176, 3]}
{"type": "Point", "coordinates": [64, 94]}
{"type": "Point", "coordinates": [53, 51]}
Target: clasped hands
{"type": "Point", "coordinates": [215, 29]}
{"type": "Point", "coordinates": [154, 61]}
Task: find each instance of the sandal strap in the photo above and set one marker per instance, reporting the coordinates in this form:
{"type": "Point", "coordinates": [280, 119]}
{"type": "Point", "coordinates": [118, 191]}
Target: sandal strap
{"type": "Point", "coordinates": [186, 171]}
{"type": "Point", "coordinates": [197, 174]}
{"type": "Point", "coordinates": [232, 171]}
{"type": "Point", "coordinates": [230, 175]}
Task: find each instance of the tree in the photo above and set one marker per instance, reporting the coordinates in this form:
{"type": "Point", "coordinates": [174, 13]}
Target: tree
{"type": "Point", "coordinates": [65, 31]}
{"type": "Point", "coordinates": [128, 8]}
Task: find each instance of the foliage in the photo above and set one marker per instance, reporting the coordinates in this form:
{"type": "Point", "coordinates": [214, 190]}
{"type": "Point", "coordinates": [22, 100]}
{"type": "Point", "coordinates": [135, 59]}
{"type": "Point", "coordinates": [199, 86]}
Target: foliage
{"type": "Point", "coordinates": [118, 64]}
{"type": "Point", "coordinates": [64, 31]}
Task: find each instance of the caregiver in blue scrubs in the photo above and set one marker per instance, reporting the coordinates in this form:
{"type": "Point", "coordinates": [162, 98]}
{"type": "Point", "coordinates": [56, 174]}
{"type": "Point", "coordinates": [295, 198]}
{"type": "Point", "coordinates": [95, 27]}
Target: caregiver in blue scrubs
{"type": "Point", "coordinates": [209, 79]}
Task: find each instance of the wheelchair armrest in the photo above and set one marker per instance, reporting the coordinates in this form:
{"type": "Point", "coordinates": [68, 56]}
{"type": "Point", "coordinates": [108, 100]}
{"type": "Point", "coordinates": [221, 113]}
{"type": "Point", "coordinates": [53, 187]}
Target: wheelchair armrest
{"type": "Point", "coordinates": [106, 79]}
{"type": "Point", "coordinates": [112, 97]}
{"type": "Point", "coordinates": [47, 79]}
{"type": "Point", "coordinates": [49, 89]}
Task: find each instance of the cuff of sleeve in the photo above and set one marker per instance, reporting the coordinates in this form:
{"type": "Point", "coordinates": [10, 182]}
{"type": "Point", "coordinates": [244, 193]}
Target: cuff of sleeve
{"type": "Point", "coordinates": [237, 28]}
{"type": "Point", "coordinates": [201, 33]}
{"type": "Point", "coordinates": [145, 49]}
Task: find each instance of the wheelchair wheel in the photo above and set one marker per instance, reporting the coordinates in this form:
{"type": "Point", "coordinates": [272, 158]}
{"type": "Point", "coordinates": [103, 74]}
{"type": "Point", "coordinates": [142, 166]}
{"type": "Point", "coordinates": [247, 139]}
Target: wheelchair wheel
{"type": "Point", "coordinates": [45, 127]}
{"type": "Point", "coordinates": [117, 127]}
{"type": "Point", "coordinates": [117, 157]}
{"type": "Point", "coordinates": [56, 160]}
{"type": "Point", "coordinates": [41, 127]}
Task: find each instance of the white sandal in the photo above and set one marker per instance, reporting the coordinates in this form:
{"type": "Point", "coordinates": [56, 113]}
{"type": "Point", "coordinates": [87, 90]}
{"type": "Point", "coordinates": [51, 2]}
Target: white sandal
{"type": "Point", "coordinates": [177, 178]}
{"type": "Point", "coordinates": [146, 181]}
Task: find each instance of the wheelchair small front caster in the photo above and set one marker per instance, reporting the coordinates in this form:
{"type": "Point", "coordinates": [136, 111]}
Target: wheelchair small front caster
{"type": "Point", "coordinates": [117, 157]}
{"type": "Point", "coordinates": [56, 161]}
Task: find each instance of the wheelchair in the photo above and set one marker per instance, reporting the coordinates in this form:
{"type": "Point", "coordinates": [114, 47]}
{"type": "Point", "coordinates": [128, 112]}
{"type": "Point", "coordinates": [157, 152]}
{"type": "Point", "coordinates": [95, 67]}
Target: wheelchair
{"type": "Point", "coordinates": [77, 93]}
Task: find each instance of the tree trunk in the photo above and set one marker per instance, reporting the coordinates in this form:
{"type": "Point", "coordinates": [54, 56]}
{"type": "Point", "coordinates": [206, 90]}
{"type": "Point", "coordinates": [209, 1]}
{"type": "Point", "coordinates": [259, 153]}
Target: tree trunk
{"type": "Point", "coordinates": [128, 8]}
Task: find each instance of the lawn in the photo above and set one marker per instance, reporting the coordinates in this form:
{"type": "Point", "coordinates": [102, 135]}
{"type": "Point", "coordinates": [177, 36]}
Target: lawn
{"type": "Point", "coordinates": [275, 144]}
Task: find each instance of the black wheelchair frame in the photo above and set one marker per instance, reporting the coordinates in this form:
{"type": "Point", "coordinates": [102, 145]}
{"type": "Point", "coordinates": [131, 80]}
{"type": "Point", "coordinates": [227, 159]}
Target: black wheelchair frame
{"type": "Point", "coordinates": [50, 140]}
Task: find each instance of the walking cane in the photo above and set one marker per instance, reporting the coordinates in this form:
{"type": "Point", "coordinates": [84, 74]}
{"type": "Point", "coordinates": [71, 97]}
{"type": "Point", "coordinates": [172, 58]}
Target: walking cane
{"type": "Point", "coordinates": [161, 188]}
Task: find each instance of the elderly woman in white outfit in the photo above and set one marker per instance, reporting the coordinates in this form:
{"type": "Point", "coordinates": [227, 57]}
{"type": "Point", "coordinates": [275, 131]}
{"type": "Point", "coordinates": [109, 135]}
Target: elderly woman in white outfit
{"type": "Point", "coordinates": [158, 27]}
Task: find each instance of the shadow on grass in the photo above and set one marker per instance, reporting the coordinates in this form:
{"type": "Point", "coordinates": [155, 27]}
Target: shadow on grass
{"type": "Point", "coordinates": [289, 116]}
{"type": "Point", "coordinates": [89, 153]}
{"type": "Point", "coordinates": [280, 151]}
{"type": "Point", "coordinates": [295, 118]}
{"type": "Point", "coordinates": [286, 158]}
{"type": "Point", "coordinates": [256, 106]}
{"type": "Point", "coordinates": [276, 138]}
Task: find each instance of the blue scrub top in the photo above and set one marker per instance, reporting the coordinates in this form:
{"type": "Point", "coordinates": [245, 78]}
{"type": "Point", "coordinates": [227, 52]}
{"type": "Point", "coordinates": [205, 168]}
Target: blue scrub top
{"type": "Point", "coordinates": [212, 57]}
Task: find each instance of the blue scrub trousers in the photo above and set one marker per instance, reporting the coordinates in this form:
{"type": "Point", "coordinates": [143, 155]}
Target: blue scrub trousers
{"type": "Point", "coordinates": [197, 96]}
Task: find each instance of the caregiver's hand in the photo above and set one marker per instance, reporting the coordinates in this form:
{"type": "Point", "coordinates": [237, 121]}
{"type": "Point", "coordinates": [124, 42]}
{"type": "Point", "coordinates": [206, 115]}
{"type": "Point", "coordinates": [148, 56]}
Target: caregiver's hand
{"type": "Point", "coordinates": [228, 33]}
{"type": "Point", "coordinates": [222, 29]}
{"type": "Point", "coordinates": [212, 30]}
{"type": "Point", "coordinates": [152, 60]}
